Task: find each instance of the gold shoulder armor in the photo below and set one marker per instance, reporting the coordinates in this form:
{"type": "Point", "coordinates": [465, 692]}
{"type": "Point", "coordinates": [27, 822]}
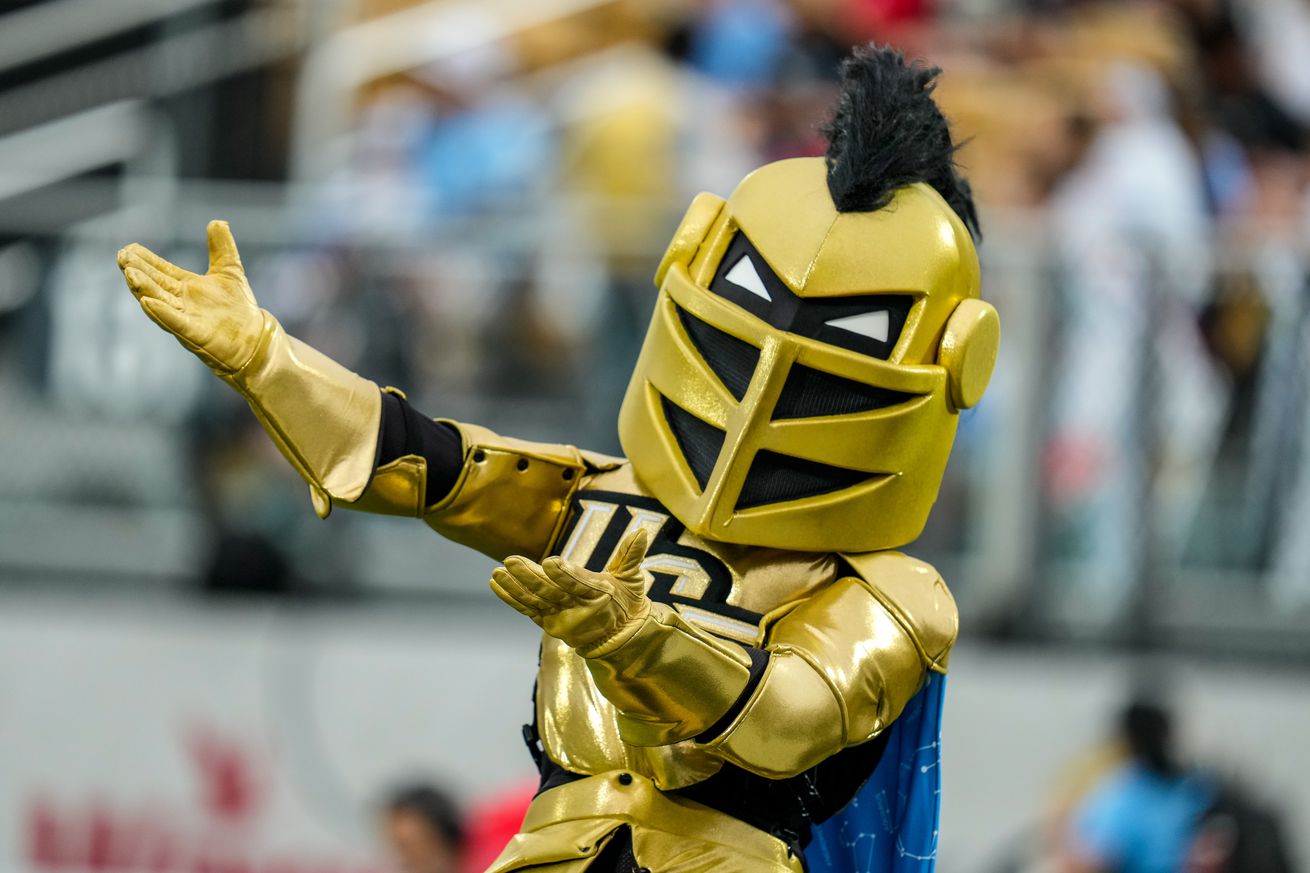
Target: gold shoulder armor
{"type": "Point", "coordinates": [915, 594]}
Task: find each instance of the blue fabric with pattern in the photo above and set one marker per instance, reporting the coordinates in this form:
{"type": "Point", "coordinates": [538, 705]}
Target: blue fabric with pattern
{"type": "Point", "coordinates": [890, 826]}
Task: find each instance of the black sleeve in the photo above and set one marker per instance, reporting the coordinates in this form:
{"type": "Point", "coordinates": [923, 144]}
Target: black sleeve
{"type": "Point", "coordinates": [405, 432]}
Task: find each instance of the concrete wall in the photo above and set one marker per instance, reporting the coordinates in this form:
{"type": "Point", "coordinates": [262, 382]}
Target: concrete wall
{"type": "Point", "coordinates": [123, 708]}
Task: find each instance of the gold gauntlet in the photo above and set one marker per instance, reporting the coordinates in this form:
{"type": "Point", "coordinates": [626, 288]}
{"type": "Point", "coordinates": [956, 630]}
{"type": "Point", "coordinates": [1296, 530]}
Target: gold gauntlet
{"type": "Point", "coordinates": [322, 417]}
{"type": "Point", "coordinates": [669, 681]}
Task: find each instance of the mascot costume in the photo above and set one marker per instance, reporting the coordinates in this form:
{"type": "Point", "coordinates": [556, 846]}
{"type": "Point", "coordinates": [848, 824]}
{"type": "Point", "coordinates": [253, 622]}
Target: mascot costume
{"type": "Point", "coordinates": [738, 672]}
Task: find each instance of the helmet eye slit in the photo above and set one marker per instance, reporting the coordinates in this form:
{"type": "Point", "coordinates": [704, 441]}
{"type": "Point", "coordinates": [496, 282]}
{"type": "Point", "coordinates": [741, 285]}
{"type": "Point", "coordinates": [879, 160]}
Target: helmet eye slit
{"type": "Point", "coordinates": [744, 275]}
{"type": "Point", "coordinates": [869, 324]}
{"type": "Point", "coordinates": [744, 278]}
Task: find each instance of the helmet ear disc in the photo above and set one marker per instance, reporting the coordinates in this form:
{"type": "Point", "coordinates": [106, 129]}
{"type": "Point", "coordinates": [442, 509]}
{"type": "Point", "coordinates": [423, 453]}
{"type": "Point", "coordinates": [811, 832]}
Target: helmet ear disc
{"type": "Point", "coordinates": [702, 212]}
{"type": "Point", "coordinates": [968, 350]}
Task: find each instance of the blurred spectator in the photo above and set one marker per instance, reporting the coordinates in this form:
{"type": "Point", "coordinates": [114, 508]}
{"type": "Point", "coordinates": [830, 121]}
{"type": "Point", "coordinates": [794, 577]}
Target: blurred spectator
{"type": "Point", "coordinates": [1239, 834]}
{"type": "Point", "coordinates": [1131, 228]}
{"type": "Point", "coordinates": [423, 829]}
{"type": "Point", "coordinates": [1144, 814]}
{"type": "Point", "coordinates": [740, 42]}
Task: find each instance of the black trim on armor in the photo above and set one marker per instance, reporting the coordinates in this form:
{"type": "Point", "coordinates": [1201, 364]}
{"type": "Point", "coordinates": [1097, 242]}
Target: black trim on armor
{"type": "Point", "coordinates": [775, 478]}
{"type": "Point", "coordinates": [403, 431]}
{"type": "Point", "coordinates": [618, 855]}
{"type": "Point", "coordinates": [789, 808]}
{"type": "Point", "coordinates": [759, 661]}
{"type": "Point", "coordinates": [784, 808]}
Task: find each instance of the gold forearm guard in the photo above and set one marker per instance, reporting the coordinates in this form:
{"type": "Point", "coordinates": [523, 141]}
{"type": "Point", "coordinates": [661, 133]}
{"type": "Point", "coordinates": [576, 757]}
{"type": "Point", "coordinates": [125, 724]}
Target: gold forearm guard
{"type": "Point", "coordinates": [669, 681]}
{"type": "Point", "coordinates": [322, 417]}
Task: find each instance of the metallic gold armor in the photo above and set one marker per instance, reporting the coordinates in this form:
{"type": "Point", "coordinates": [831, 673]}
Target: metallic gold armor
{"type": "Point", "coordinates": [689, 587]}
{"type": "Point", "coordinates": [850, 638]}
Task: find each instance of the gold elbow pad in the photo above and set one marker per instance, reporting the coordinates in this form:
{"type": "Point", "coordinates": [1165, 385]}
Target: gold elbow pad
{"type": "Point", "coordinates": [512, 496]}
{"type": "Point", "coordinates": [670, 682]}
{"type": "Point", "coordinates": [322, 417]}
{"type": "Point", "coordinates": [842, 666]}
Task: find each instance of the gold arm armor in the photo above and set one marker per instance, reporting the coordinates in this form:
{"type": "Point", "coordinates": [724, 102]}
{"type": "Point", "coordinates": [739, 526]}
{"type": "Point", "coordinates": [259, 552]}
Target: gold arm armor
{"type": "Point", "coordinates": [489, 508]}
{"type": "Point", "coordinates": [669, 681]}
{"type": "Point", "coordinates": [842, 664]}
{"type": "Point", "coordinates": [323, 418]}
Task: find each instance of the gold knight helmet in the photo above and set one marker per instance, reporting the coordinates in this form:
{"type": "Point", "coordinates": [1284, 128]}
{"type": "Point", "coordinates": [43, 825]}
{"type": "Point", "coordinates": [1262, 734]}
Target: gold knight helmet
{"type": "Point", "coordinates": [816, 335]}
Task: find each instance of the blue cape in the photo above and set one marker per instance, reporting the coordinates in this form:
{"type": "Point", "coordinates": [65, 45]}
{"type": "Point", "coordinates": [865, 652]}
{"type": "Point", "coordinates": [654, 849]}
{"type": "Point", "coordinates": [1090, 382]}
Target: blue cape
{"type": "Point", "coordinates": [890, 826]}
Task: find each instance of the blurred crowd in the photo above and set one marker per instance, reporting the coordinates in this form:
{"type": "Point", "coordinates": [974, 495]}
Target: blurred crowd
{"type": "Point", "coordinates": [487, 235]}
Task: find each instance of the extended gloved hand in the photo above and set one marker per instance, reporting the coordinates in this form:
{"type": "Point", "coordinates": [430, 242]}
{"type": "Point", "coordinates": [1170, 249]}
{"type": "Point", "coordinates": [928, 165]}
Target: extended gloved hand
{"type": "Point", "coordinates": [594, 613]}
{"type": "Point", "coordinates": [321, 416]}
{"type": "Point", "coordinates": [215, 316]}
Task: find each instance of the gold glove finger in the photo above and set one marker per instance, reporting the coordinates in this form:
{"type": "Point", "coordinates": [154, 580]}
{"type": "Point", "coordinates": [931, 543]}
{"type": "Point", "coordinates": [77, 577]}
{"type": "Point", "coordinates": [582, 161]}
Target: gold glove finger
{"type": "Point", "coordinates": [144, 286]}
{"type": "Point", "coordinates": [139, 251]}
{"type": "Point", "coordinates": [168, 283]}
{"type": "Point", "coordinates": [576, 580]}
{"type": "Point", "coordinates": [531, 576]}
{"type": "Point", "coordinates": [627, 558]}
{"type": "Point", "coordinates": [168, 317]}
{"type": "Point", "coordinates": [525, 594]}
{"type": "Point", "coordinates": [223, 255]}
{"type": "Point", "coordinates": [512, 593]}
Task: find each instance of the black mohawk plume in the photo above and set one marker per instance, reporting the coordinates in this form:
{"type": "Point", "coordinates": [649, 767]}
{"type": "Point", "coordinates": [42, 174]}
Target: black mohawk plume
{"type": "Point", "coordinates": [887, 132]}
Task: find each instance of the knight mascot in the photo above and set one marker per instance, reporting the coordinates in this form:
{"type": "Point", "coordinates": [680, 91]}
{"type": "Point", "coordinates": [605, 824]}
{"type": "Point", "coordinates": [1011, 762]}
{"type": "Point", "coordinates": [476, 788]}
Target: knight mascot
{"type": "Point", "coordinates": [739, 673]}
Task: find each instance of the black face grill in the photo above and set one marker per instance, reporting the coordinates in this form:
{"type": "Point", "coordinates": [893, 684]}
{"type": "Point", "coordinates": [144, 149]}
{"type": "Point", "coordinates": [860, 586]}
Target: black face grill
{"type": "Point", "coordinates": [731, 359]}
{"type": "Point", "coordinates": [808, 393]}
{"type": "Point", "coordinates": [700, 442]}
{"type": "Point", "coordinates": [776, 478]}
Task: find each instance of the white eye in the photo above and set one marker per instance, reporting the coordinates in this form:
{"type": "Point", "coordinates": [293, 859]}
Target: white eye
{"type": "Point", "coordinates": [743, 275]}
{"type": "Point", "coordinates": [875, 325]}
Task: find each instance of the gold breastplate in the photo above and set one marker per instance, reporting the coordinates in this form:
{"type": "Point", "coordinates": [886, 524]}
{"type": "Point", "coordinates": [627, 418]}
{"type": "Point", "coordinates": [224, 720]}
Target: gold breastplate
{"type": "Point", "coordinates": [726, 590]}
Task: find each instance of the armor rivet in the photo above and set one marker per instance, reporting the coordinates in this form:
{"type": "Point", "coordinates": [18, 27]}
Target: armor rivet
{"type": "Point", "coordinates": [522, 464]}
{"type": "Point", "coordinates": [625, 778]}
{"type": "Point", "coordinates": [479, 456]}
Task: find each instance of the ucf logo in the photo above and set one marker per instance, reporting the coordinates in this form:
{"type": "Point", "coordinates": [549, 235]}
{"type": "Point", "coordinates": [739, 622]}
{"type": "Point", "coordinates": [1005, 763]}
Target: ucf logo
{"type": "Point", "coordinates": [688, 578]}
